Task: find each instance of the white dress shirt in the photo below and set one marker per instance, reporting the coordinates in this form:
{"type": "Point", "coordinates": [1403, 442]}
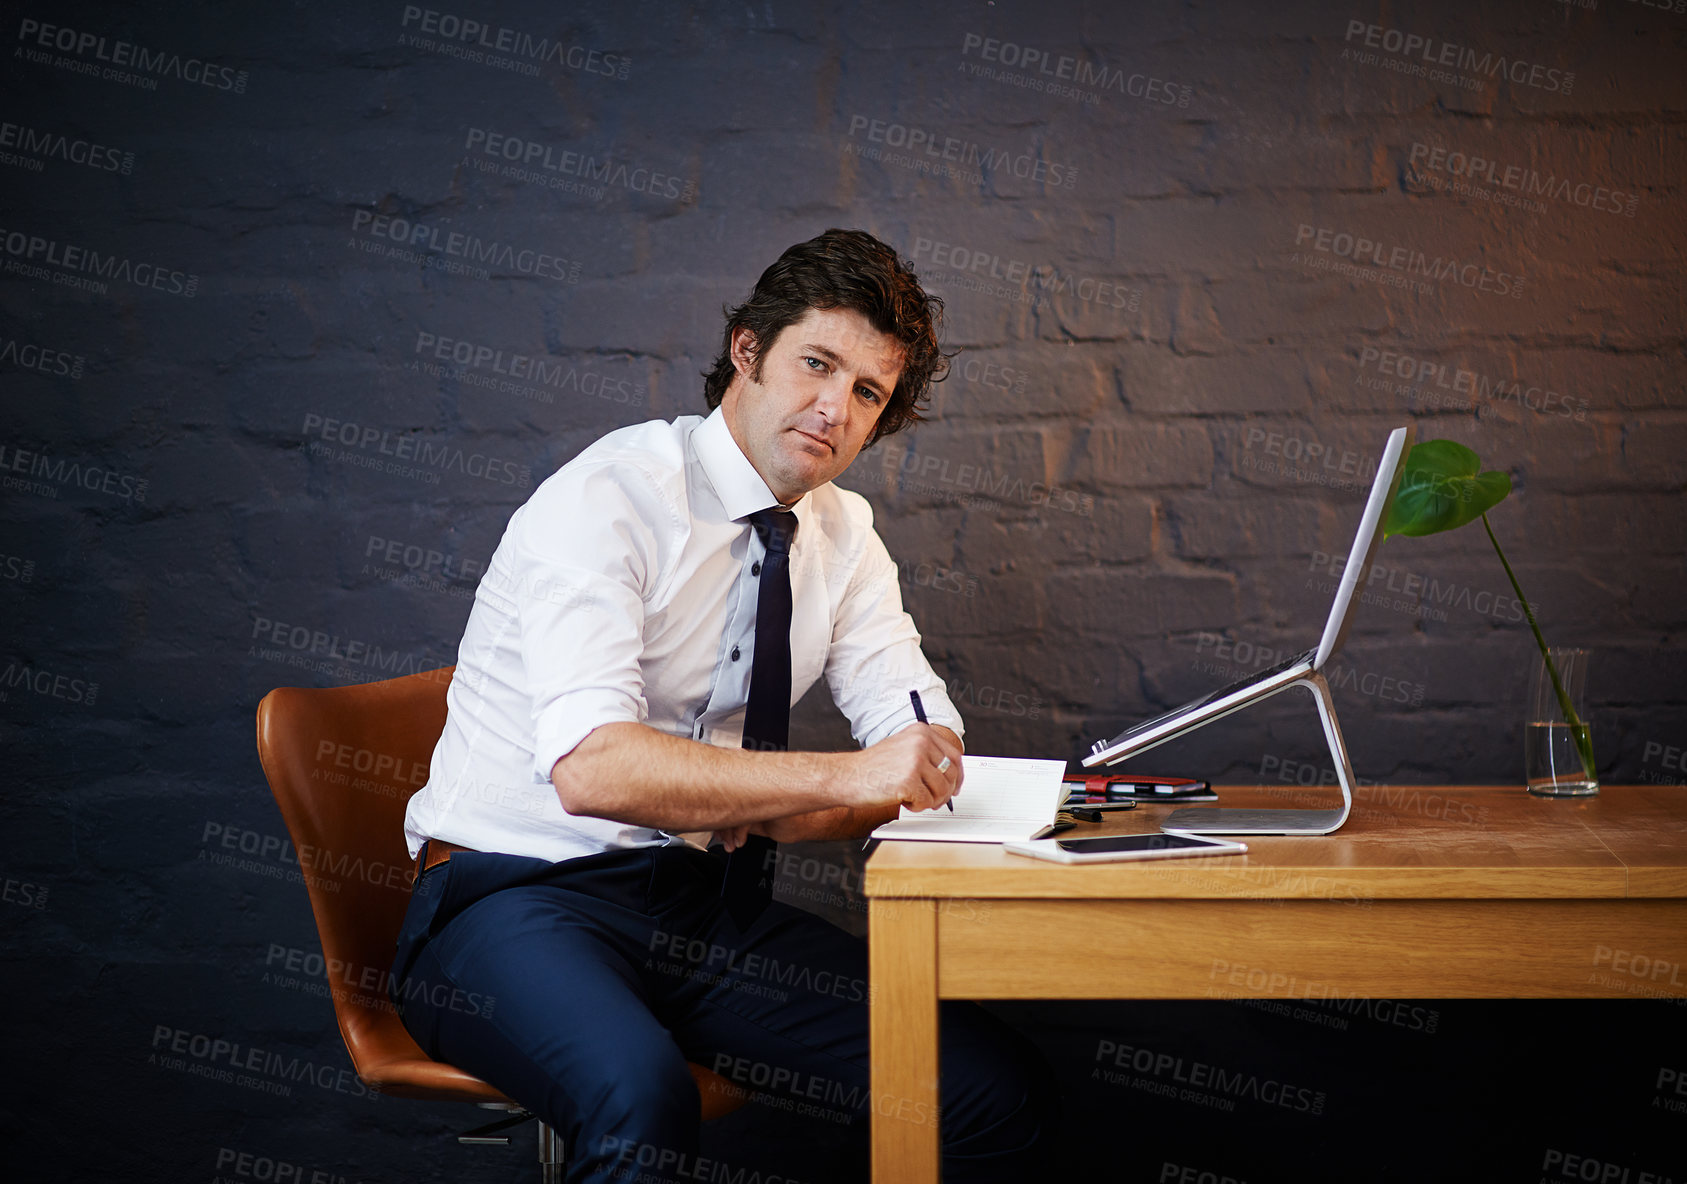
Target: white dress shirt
{"type": "Point", "coordinates": [625, 589]}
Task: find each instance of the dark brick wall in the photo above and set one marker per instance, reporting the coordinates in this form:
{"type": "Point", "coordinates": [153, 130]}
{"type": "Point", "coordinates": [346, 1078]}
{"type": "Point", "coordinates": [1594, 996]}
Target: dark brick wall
{"type": "Point", "coordinates": [1131, 487]}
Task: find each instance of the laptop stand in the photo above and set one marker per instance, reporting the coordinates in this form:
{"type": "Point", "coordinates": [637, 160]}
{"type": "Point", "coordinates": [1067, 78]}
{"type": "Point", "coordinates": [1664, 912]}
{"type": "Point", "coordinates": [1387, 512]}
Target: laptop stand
{"type": "Point", "coordinates": [1196, 820]}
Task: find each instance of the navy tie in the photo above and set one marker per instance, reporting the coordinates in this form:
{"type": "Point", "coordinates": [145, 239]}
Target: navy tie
{"type": "Point", "coordinates": [748, 883]}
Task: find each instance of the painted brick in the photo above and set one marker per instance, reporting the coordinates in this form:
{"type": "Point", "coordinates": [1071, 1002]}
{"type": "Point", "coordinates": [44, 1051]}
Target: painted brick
{"type": "Point", "coordinates": [1147, 455]}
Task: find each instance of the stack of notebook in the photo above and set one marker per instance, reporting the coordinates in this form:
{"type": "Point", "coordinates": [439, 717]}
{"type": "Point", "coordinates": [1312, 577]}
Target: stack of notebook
{"type": "Point", "coordinates": [1094, 789]}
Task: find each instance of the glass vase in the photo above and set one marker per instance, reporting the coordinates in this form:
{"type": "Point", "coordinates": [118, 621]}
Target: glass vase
{"type": "Point", "coordinates": [1552, 759]}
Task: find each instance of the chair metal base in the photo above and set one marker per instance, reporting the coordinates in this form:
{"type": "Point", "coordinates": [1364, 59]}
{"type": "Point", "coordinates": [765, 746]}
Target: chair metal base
{"type": "Point", "coordinates": [489, 1135]}
{"type": "Point", "coordinates": [550, 1155]}
{"type": "Point", "coordinates": [492, 1135]}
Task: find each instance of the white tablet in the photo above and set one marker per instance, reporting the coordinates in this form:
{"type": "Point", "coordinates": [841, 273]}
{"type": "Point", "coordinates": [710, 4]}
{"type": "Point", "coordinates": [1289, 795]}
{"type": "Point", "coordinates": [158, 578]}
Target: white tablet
{"type": "Point", "coordinates": [1111, 848]}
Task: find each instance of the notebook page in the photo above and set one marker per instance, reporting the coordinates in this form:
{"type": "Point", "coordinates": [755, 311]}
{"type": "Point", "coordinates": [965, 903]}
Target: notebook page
{"type": "Point", "coordinates": [1004, 788]}
{"type": "Point", "coordinates": [928, 825]}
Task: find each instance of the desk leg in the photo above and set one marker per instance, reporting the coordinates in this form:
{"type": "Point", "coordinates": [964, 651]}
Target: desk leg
{"type": "Point", "coordinates": [902, 957]}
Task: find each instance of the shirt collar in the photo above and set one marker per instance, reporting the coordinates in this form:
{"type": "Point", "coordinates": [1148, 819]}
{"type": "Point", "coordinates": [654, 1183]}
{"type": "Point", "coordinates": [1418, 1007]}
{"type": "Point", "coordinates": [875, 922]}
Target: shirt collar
{"type": "Point", "coordinates": [742, 490]}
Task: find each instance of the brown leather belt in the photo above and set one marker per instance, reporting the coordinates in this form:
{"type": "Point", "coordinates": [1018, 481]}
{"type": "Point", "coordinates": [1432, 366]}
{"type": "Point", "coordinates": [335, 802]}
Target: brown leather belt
{"type": "Point", "coordinates": [439, 851]}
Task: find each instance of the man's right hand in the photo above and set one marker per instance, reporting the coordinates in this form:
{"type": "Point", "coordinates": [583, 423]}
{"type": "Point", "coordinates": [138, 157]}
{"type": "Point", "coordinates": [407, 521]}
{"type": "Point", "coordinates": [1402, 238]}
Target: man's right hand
{"type": "Point", "coordinates": [904, 767]}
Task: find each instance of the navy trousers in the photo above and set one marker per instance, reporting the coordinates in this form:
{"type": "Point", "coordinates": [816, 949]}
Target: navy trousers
{"type": "Point", "coordinates": [582, 988]}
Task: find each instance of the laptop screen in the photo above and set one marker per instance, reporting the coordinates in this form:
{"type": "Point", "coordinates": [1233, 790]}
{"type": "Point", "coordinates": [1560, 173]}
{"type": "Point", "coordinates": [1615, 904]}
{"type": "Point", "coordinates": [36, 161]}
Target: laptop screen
{"type": "Point", "coordinates": [1365, 543]}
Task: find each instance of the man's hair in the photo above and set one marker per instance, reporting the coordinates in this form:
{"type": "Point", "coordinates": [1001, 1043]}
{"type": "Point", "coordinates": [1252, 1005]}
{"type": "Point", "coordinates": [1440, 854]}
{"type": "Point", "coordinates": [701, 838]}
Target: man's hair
{"type": "Point", "coordinates": [843, 269]}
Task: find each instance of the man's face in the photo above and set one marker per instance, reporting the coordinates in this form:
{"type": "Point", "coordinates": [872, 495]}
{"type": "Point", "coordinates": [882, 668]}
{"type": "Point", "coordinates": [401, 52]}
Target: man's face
{"type": "Point", "coordinates": [824, 383]}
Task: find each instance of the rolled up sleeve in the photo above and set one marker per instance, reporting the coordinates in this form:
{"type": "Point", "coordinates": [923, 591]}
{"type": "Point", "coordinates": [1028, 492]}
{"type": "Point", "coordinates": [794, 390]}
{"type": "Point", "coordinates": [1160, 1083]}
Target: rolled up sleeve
{"type": "Point", "coordinates": [875, 657]}
{"type": "Point", "coordinates": [584, 553]}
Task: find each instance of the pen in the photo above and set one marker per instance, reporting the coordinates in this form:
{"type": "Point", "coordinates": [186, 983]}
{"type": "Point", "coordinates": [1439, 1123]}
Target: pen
{"type": "Point", "coordinates": [920, 714]}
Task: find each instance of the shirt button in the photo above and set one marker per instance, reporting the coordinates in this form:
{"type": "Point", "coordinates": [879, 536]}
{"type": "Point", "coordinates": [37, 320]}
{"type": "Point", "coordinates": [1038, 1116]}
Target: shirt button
{"type": "Point", "coordinates": [734, 653]}
{"type": "Point", "coordinates": [755, 568]}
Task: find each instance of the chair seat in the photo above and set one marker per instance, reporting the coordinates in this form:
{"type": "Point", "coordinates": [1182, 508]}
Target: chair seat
{"type": "Point", "coordinates": [388, 1060]}
{"type": "Point", "coordinates": [420, 1077]}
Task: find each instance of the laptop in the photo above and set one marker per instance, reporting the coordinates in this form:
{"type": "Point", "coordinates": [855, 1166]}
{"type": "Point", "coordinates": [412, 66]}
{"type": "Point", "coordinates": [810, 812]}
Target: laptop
{"type": "Point", "coordinates": [1301, 670]}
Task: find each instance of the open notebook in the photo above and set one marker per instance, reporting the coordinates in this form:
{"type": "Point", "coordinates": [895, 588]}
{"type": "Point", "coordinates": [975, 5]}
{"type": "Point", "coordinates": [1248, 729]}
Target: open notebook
{"type": "Point", "coordinates": [1002, 798]}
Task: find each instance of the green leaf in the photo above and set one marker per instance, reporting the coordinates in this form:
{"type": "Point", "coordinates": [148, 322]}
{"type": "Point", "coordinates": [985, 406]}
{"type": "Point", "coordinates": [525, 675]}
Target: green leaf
{"type": "Point", "coordinates": [1442, 488]}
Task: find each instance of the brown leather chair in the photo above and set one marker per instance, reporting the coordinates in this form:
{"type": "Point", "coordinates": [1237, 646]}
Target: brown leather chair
{"type": "Point", "coordinates": [342, 763]}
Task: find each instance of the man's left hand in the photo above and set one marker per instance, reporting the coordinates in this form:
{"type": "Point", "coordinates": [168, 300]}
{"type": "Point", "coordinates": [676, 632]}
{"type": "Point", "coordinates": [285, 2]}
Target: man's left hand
{"type": "Point", "coordinates": [731, 837]}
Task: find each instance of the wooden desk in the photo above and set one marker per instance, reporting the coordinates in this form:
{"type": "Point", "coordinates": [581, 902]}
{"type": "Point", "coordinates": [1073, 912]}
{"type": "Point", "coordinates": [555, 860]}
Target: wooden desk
{"type": "Point", "coordinates": [1436, 892]}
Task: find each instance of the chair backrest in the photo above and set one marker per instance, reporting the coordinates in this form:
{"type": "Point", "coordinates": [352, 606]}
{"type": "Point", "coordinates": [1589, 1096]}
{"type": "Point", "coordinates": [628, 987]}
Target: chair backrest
{"type": "Point", "coordinates": [342, 763]}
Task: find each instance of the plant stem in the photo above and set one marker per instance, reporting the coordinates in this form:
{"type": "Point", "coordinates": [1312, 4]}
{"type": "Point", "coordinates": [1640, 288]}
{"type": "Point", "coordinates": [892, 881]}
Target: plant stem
{"type": "Point", "coordinates": [1578, 730]}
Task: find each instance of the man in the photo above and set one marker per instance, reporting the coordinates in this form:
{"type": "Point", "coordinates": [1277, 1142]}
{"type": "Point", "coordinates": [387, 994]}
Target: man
{"type": "Point", "coordinates": [623, 688]}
